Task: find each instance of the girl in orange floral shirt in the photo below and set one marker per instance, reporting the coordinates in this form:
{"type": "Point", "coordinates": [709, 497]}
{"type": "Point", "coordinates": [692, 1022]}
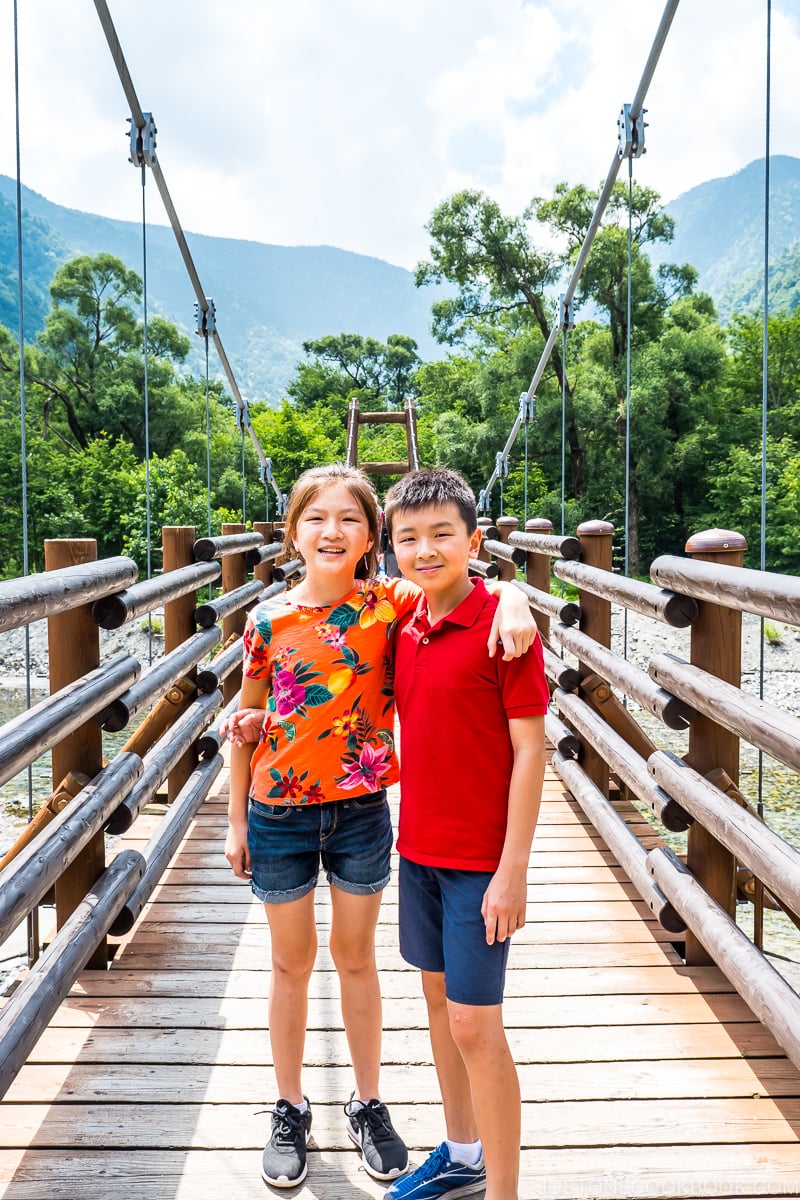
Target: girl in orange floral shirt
{"type": "Point", "coordinates": [318, 661]}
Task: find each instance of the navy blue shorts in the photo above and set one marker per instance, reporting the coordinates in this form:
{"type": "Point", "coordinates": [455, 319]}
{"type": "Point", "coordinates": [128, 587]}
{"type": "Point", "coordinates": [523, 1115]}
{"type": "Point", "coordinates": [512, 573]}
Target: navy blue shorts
{"type": "Point", "coordinates": [352, 838]}
{"type": "Point", "coordinates": [442, 930]}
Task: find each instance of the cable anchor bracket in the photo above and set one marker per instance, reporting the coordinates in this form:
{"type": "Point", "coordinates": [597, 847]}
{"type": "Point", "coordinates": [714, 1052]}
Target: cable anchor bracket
{"type": "Point", "coordinates": [501, 465]}
{"type": "Point", "coordinates": [205, 318]}
{"type": "Point", "coordinates": [630, 133]}
{"type": "Point", "coordinates": [143, 141]}
{"type": "Point", "coordinates": [527, 407]}
{"type": "Point", "coordinates": [566, 314]}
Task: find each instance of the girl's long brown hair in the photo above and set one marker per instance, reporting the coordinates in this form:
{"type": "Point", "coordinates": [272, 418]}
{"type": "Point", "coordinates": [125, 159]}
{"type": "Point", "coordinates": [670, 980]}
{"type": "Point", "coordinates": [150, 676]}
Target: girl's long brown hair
{"type": "Point", "coordinates": [315, 480]}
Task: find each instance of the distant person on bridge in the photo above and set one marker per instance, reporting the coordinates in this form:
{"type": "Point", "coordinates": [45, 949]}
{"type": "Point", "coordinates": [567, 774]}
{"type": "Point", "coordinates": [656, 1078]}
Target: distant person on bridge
{"type": "Point", "coordinates": [466, 826]}
{"type": "Point", "coordinates": [317, 697]}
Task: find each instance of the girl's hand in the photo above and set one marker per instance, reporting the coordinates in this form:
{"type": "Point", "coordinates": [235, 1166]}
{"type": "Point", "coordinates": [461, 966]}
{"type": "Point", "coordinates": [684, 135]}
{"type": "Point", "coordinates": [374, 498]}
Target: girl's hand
{"type": "Point", "coordinates": [243, 726]}
{"type": "Point", "coordinates": [236, 850]}
{"type": "Point", "coordinates": [513, 624]}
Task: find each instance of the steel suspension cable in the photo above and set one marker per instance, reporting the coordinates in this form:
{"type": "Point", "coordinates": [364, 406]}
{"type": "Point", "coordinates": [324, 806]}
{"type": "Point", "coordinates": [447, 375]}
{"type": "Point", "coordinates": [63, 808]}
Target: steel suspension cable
{"type": "Point", "coordinates": [594, 225]}
{"type": "Point", "coordinates": [33, 917]}
{"type": "Point", "coordinates": [628, 316]}
{"type": "Point", "coordinates": [208, 441]}
{"type": "Point", "coordinates": [765, 378]}
{"type": "Point", "coordinates": [139, 120]}
{"type": "Point", "coordinates": [146, 352]}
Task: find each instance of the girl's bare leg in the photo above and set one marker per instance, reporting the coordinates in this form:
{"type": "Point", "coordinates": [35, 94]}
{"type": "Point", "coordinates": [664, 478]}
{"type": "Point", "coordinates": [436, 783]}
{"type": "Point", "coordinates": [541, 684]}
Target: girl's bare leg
{"type": "Point", "coordinates": [294, 948]}
{"type": "Point", "coordinates": [352, 947]}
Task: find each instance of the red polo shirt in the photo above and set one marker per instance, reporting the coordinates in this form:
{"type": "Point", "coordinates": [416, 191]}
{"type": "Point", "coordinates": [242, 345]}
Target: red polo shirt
{"type": "Point", "coordinates": [456, 754]}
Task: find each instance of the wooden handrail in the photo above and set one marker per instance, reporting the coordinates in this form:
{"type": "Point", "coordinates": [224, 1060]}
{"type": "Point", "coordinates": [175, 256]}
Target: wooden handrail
{"type": "Point", "coordinates": [625, 846]}
{"type": "Point", "coordinates": [765, 593]}
{"type": "Point", "coordinates": [162, 757]}
{"type": "Point", "coordinates": [769, 856]}
{"type": "Point", "coordinates": [35, 596]}
{"type": "Point", "coordinates": [30, 1009]}
{"type": "Point", "coordinates": [154, 682]}
{"type": "Point", "coordinates": [632, 680]}
{"type": "Point", "coordinates": [669, 607]}
{"type": "Point", "coordinates": [114, 611]}
{"type": "Point", "coordinates": [767, 993]}
{"type": "Point", "coordinates": [36, 868]}
{"type": "Point", "coordinates": [758, 722]}
{"type": "Point", "coordinates": [208, 548]}
{"type": "Point", "coordinates": [629, 766]}
{"type": "Point", "coordinates": [36, 731]}
{"type": "Point", "coordinates": [565, 611]}
{"type": "Point", "coordinates": [542, 543]}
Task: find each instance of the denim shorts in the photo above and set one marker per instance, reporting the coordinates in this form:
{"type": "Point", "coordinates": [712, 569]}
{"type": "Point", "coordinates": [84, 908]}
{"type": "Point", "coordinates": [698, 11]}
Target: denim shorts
{"type": "Point", "coordinates": [442, 930]}
{"type": "Point", "coordinates": [352, 838]}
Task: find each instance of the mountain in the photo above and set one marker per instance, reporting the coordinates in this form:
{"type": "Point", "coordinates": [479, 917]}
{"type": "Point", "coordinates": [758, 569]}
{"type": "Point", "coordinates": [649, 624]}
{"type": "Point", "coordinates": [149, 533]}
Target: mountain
{"type": "Point", "coordinates": [719, 228]}
{"type": "Point", "coordinates": [269, 299]}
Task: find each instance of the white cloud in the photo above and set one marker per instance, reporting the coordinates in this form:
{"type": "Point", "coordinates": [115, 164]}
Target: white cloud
{"type": "Point", "coordinates": [346, 123]}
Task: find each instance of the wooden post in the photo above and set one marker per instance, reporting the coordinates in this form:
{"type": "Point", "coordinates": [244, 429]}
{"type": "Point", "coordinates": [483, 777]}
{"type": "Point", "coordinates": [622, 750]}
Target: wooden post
{"type": "Point", "coordinates": [505, 526]}
{"type": "Point", "coordinates": [716, 647]}
{"type": "Point", "coordinates": [596, 551]}
{"type": "Point", "coordinates": [178, 551]}
{"type": "Point", "coordinates": [537, 571]}
{"type": "Point", "coordinates": [263, 571]}
{"type": "Point", "coordinates": [234, 574]}
{"type": "Point", "coordinates": [74, 648]}
{"type": "Point", "coordinates": [484, 523]}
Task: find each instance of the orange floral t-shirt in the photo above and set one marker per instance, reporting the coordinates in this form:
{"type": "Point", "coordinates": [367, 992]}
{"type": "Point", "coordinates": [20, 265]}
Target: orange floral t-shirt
{"type": "Point", "coordinates": [328, 730]}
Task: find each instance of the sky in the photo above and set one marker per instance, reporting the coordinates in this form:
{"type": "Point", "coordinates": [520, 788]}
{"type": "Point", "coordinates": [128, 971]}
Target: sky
{"type": "Point", "coordinates": [345, 122]}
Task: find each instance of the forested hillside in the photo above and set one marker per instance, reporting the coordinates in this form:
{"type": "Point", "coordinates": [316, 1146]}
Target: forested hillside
{"type": "Point", "coordinates": [269, 299]}
{"type": "Point", "coordinates": [695, 446]}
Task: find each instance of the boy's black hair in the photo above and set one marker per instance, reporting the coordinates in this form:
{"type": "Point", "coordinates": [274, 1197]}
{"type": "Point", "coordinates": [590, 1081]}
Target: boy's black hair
{"type": "Point", "coordinates": [431, 487]}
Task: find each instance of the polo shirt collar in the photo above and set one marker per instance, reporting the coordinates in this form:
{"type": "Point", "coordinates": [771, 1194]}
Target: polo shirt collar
{"type": "Point", "coordinates": [465, 614]}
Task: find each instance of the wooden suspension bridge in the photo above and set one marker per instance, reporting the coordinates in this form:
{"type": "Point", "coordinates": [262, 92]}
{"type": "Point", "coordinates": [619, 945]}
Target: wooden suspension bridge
{"type": "Point", "coordinates": [658, 1047]}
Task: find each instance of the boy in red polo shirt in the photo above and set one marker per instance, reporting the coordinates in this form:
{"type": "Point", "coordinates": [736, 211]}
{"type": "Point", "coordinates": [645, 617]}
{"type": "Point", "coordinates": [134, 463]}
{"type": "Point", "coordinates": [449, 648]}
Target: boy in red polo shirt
{"type": "Point", "coordinates": [472, 764]}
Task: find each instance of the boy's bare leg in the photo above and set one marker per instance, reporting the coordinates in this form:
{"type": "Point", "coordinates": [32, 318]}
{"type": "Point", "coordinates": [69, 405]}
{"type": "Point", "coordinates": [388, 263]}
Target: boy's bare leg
{"type": "Point", "coordinates": [454, 1082]}
{"type": "Point", "coordinates": [352, 946]}
{"type": "Point", "coordinates": [480, 1037]}
{"type": "Point", "coordinates": [293, 933]}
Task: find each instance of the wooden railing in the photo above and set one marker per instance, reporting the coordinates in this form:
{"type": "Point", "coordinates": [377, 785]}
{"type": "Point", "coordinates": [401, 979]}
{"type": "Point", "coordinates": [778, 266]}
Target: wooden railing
{"type": "Point", "coordinates": [601, 748]}
{"type": "Point", "coordinates": [61, 854]}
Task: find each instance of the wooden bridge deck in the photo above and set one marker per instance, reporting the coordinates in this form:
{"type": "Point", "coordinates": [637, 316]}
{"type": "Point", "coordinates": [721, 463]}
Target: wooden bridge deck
{"type": "Point", "coordinates": [640, 1077]}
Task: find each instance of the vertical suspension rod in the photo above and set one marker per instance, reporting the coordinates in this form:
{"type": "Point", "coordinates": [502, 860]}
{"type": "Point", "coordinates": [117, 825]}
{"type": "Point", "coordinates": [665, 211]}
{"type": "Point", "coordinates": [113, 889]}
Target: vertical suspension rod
{"type": "Point", "coordinates": [594, 225]}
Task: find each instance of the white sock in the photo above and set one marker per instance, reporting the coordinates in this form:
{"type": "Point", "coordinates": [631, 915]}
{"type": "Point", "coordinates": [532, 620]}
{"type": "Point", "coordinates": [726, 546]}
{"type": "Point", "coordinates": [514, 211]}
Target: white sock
{"type": "Point", "coordinates": [468, 1153]}
{"type": "Point", "coordinates": [302, 1106]}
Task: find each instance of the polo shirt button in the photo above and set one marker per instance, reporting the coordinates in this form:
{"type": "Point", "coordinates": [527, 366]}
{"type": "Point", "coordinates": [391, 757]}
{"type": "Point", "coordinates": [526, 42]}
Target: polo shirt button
{"type": "Point", "coordinates": [425, 641]}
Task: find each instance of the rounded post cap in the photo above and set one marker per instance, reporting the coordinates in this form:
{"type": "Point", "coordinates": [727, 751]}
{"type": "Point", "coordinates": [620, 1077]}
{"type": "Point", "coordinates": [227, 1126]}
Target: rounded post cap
{"type": "Point", "coordinates": [507, 522]}
{"type": "Point", "coordinates": [538, 525]}
{"type": "Point", "coordinates": [716, 541]}
{"type": "Point", "coordinates": [595, 529]}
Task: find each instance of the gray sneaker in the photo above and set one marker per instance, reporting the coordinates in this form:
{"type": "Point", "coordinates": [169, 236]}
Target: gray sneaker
{"type": "Point", "coordinates": [369, 1127]}
{"type": "Point", "coordinates": [283, 1163]}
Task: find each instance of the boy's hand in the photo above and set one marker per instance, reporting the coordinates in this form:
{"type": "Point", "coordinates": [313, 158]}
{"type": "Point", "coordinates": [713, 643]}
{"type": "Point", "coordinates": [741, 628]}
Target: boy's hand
{"type": "Point", "coordinates": [503, 907]}
{"type": "Point", "coordinates": [513, 624]}
{"type": "Point", "coordinates": [243, 726]}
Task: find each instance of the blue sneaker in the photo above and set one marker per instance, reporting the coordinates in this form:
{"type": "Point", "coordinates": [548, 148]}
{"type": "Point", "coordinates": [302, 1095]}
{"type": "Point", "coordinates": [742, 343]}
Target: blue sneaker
{"type": "Point", "coordinates": [439, 1176]}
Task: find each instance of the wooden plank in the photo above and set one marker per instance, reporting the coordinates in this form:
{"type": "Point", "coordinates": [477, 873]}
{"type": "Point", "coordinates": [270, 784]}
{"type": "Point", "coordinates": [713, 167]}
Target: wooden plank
{"type": "Point", "coordinates": [564, 1123]}
{"type": "Point", "coordinates": [147, 1083]}
{"type": "Point", "coordinates": [606, 1044]}
{"type": "Point", "coordinates": [218, 955]}
{"type": "Point", "coordinates": [229, 1012]}
{"type": "Point", "coordinates": [399, 984]}
{"type": "Point", "coordinates": [182, 1016]}
{"type": "Point", "coordinates": [733, 1172]}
